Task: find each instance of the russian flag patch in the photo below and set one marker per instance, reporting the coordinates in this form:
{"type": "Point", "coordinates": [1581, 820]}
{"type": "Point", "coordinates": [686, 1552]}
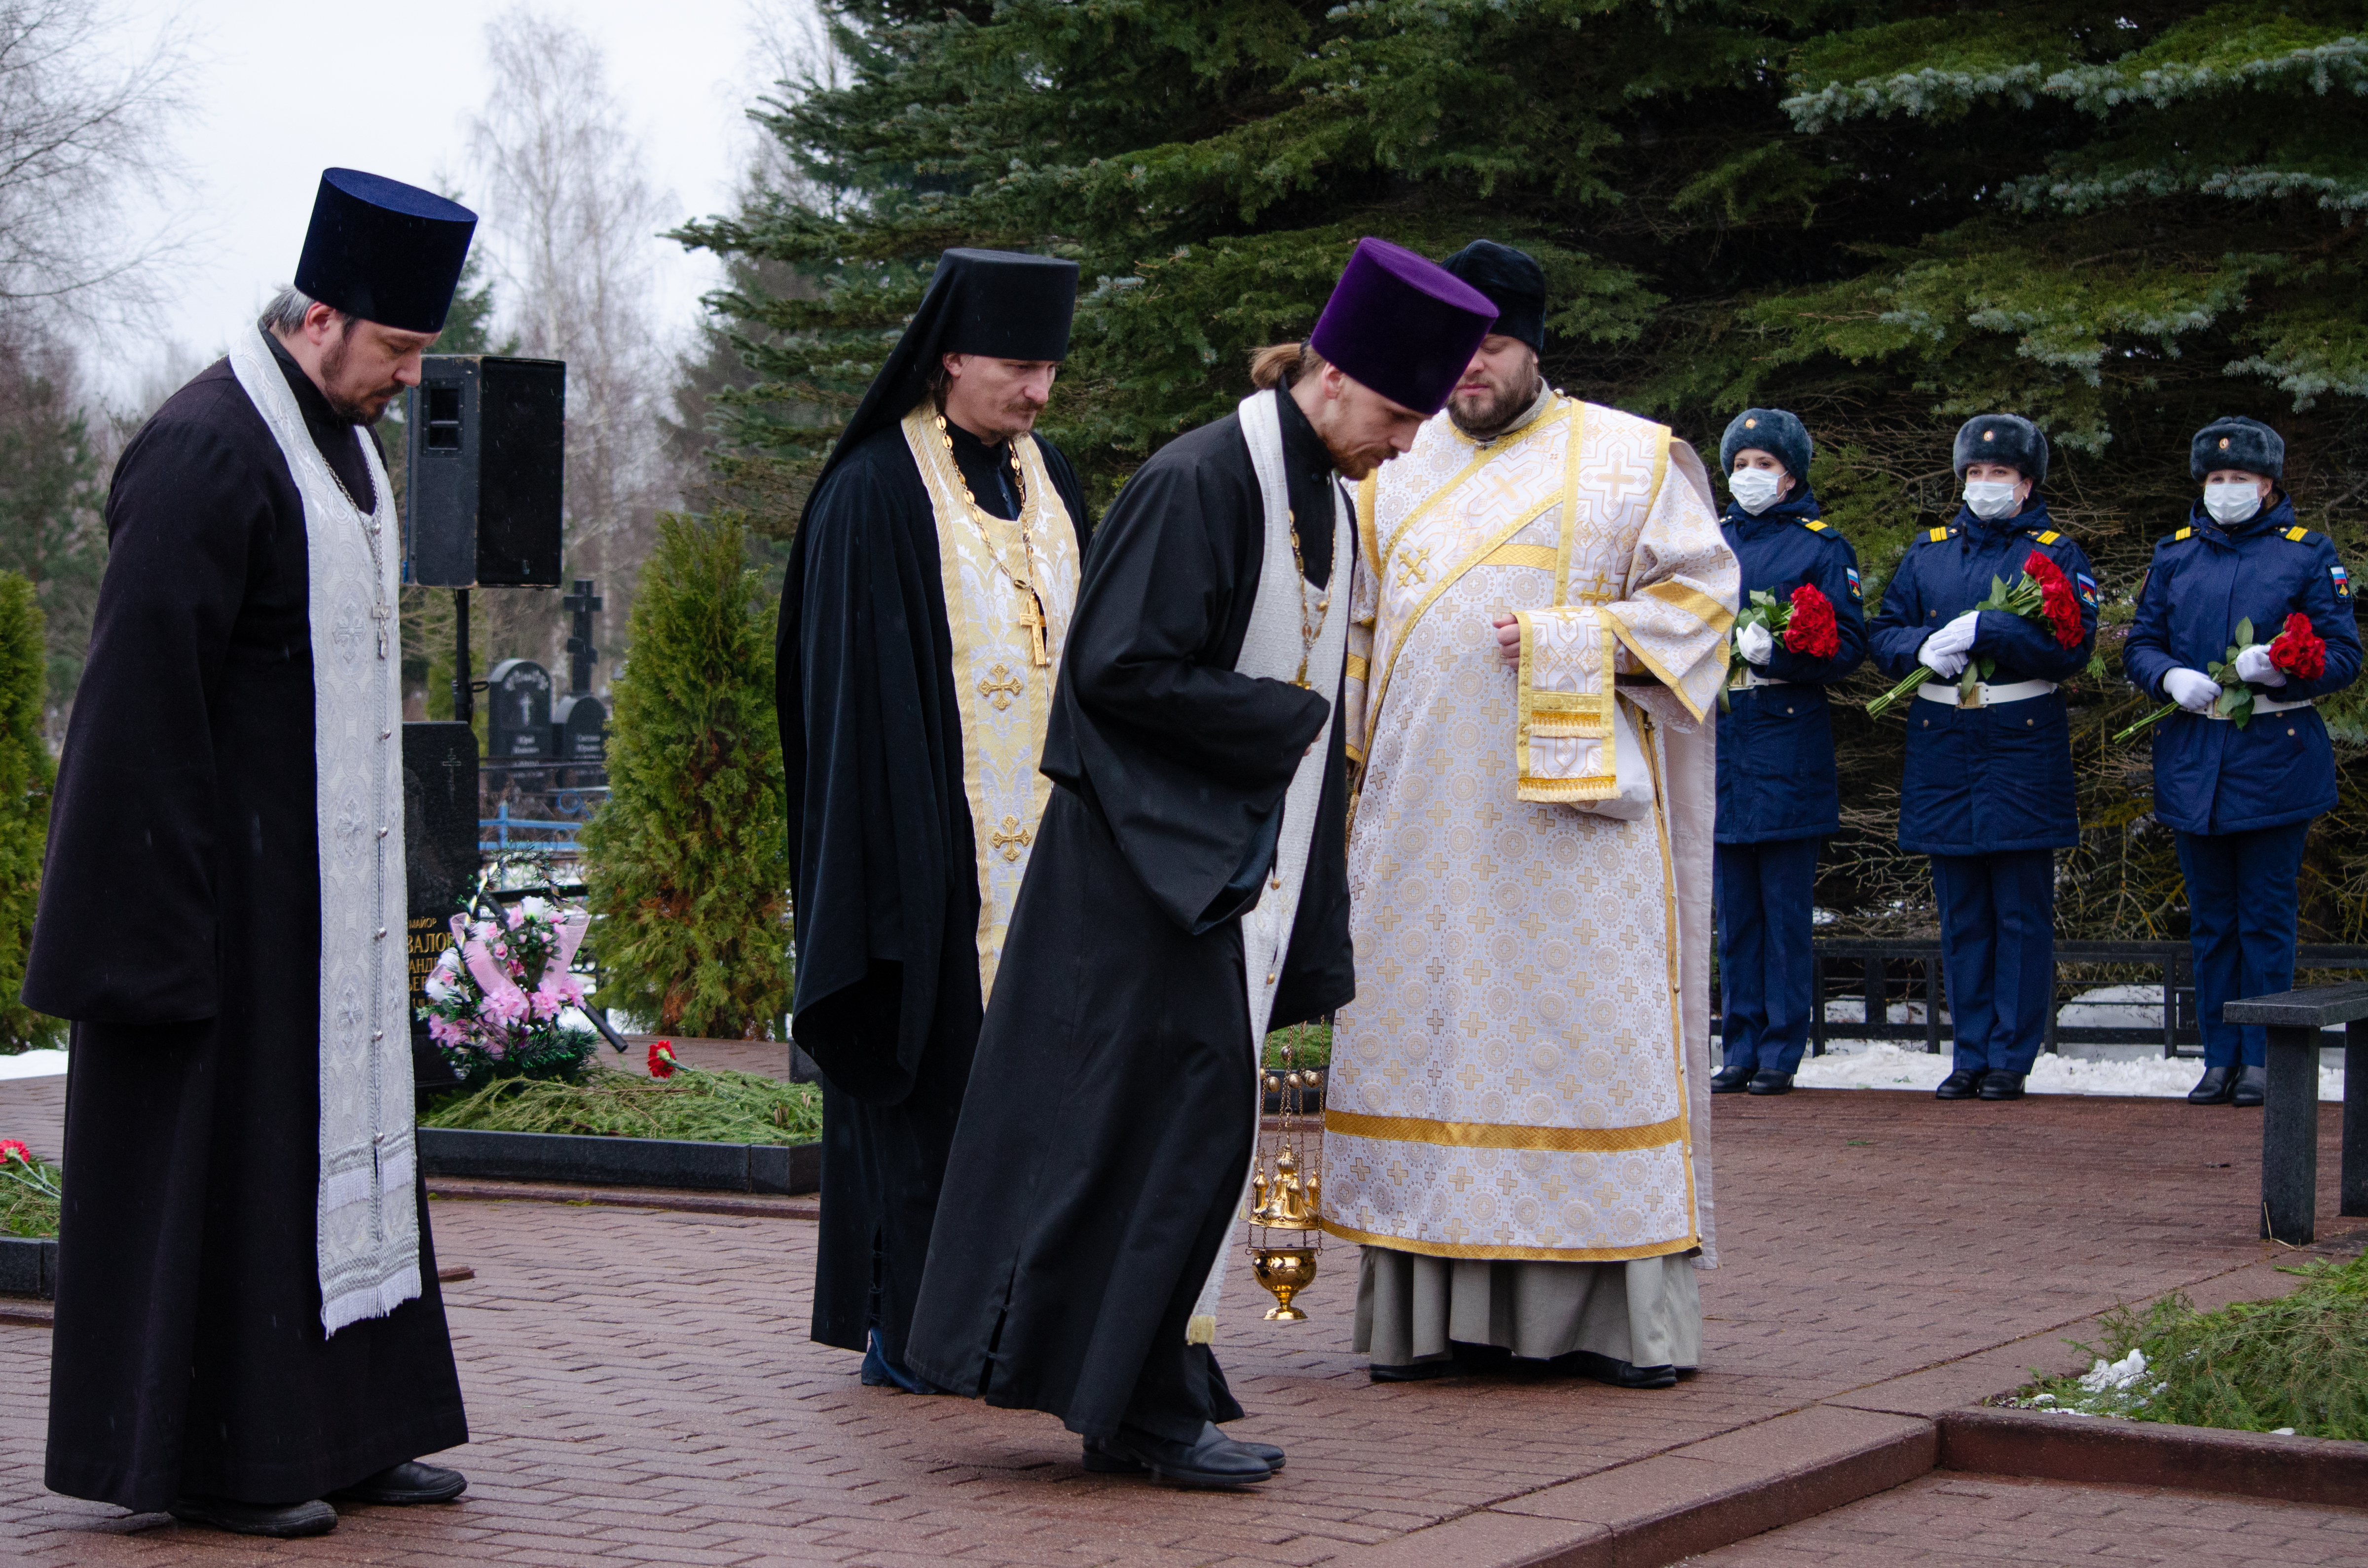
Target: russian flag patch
{"type": "Point", "coordinates": [2087, 588]}
{"type": "Point", "coordinates": [2343, 580]}
{"type": "Point", "coordinates": [1857, 592]}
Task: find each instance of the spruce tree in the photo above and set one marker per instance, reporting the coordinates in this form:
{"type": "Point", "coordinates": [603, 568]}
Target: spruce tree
{"type": "Point", "coordinates": [27, 774]}
{"type": "Point", "coordinates": [687, 862]}
{"type": "Point", "coordinates": [1885, 217]}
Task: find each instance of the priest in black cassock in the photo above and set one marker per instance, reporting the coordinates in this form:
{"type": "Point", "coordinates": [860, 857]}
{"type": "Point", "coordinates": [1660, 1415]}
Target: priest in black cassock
{"type": "Point", "coordinates": [247, 1314]}
{"type": "Point", "coordinates": [1187, 892]}
{"type": "Point", "coordinates": [923, 614]}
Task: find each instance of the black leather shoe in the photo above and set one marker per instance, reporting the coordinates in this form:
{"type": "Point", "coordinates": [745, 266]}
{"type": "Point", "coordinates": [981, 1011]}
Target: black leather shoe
{"type": "Point", "coordinates": [2213, 1088]}
{"type": "Point", "coordinates": [1730, 1080]}
{"type": "Point", "coordinates": [1772, 1083]}
{"type": "Point", "coordinates": [2001, 1086]}
{"type": "Point", "coordinates": [2252, 1086]}
{"type": "Point", "coordinates": [1213, 1459]}
{"type": "Point", "coordinates": [1415, 1371]}
{"type": "Point", "coordinates": [409, 1482]}
{"type": "Point", "coordinates": [1619, 1374]}
{"type": "Point", "coordinates": [1962, 1084]}
{"type": "Point", "coordinates": [1101, 1462]}
{"type": "Point", "coordinates": [285, 1521]}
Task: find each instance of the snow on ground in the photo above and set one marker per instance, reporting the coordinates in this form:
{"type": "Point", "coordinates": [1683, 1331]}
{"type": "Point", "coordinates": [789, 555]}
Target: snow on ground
{"type": "Point", "coordinates": [33, 1064]}
{"type": "Point", "coordinates": [1881, 1064]}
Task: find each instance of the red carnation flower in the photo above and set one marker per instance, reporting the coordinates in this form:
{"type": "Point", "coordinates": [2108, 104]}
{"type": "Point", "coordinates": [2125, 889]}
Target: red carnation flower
{"type": "Point", "coordinates": [2299, 651]}
{"type": "Point", "coordinates": [11, 1149]}
{"type": "Point", "coordinates": [1810, 629]}
{"type": "Point", "coordinates": [662, 1061]}
{"type": "Point", "coordinates": [2058, 602]}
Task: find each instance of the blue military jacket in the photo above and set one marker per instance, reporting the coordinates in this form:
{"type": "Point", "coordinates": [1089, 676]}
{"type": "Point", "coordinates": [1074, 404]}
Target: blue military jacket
{"type": "Point", "coordinates": [1776, 743]}
{"type": "Point", "coordinates": [2209, 776]}
{"type": "Point", "coordinates": [1980, 780]}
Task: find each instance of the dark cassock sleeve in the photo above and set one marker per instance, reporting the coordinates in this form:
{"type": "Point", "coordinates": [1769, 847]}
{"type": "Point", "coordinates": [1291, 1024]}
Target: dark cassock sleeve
{"type": "Point", "coordinates": [871, 764]}
{"type": "Point", "coordinates": [128, 926]}
{"type": "Point", "coordinates": [1186, 759]}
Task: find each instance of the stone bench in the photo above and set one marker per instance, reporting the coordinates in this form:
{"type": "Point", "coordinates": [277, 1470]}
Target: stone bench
{"type": "Point", "coordinates": [2290, 1116]}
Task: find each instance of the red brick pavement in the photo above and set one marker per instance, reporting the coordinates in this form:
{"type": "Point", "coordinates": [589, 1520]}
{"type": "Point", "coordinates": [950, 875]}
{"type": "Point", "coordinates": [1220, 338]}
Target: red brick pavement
{"type": "Point", "coordinates": [641, 1388]}
{"type": "Point", "coordinates": [1948, 1520]}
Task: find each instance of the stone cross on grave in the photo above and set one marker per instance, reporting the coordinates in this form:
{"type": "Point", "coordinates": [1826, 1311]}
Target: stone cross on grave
{"type": "Point", "coordinates": [581, 654]}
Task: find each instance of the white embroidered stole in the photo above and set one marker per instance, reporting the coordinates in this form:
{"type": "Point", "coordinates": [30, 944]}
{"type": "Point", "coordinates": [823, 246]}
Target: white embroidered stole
{"type": "Point", "coordinates": [1273, 646]}
{"type": "Point", "coordinates": [1002, 696]}
{"type": "Point", "coordinates": [367, 1219]}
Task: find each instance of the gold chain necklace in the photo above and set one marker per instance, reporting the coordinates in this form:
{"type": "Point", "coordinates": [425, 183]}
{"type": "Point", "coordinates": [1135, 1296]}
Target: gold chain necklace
{"type": "Point", "coordinates": [1033, 617]}
{"type": "Point", "coordinates": [1307, 628]}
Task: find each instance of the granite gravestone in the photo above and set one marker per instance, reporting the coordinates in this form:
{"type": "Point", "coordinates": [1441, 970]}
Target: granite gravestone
{"type": "Point", "coordinates": [518, 711]}
{"type": "Point", "coordinates": [439, 842]}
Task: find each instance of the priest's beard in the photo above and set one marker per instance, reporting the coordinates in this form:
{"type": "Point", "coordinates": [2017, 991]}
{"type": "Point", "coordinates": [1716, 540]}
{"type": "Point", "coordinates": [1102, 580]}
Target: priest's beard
{"type": "Point", "coordinates": [1485, 414]}
{"type": "Point", "coordinates": [354, 404]}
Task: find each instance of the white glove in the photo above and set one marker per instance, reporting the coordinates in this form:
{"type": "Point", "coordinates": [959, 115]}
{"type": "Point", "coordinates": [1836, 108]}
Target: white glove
{"type": "Point", "coordinates": [2192, 689]}
{"type": "Point", "coordinates": [2254, 665]}
{"type": "Point", "coordinates": [1957, 637]}
{"type": "Point", "coordinates": [1948, 666]}
{"type": "Point", "coordinates": [1755, 642]}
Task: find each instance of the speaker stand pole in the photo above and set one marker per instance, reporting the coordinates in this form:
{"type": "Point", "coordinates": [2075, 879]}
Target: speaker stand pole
{"type": "Point", "coordinates": [464, 702]}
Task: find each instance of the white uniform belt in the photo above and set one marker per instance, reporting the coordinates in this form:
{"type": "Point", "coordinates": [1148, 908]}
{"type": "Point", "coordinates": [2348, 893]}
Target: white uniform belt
{"type": "Point", "coordinates": [1985, 694]}
{"type": "Point", "coordinates": [2262, 705]}
{"type": "Point", "coordinates": [1752, 678]}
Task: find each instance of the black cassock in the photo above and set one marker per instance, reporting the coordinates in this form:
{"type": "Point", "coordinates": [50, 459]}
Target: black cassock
{"type": "Point", "coordinates": [180, 927]}
{"type": "Point", "coordinates": [1103, 1147]}
{"type": "Point", "coordinates": [886, 882]}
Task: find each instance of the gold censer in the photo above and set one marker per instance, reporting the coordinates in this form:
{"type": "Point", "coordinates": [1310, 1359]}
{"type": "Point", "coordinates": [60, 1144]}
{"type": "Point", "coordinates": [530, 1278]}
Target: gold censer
{"type": "Point", "coordinates": [1286, 1198]}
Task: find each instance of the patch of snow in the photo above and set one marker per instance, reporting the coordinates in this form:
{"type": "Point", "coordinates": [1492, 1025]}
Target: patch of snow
{"type": "Point", "coordinates": [1883, 1064]}
{"type": "Point", "coordinates": [2281, 1431]}
{"type": "Point", "coordinates": [2121, 1374]}
{"type": "Point", "coordinates": [33, 1064]}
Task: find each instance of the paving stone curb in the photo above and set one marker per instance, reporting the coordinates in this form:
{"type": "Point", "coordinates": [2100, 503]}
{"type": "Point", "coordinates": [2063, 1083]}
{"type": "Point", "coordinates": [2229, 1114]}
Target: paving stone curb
{"type": "Point", "coordinates": [680, 1200]}
{"type": "Point", "coordinates": [2050, 1446]}
{"type": "Point", "coordinates": [620, 1161]}
{"type": "Point", "coordinates": [29, 1267]}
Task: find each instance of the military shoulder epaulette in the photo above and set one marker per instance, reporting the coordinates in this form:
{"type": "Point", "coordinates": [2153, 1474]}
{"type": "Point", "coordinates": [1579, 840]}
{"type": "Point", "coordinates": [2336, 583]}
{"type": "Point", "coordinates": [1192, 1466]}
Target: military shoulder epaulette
{"type": "Point", "coordinates": [1937, 536]}
{"type": "Point", "coordinates": [2050, 537]}
{"type": "Point", "coordinates": [2183, 533]}
{"type": "Point", "coordinates": [2297, 534]}
{"type": "Point", "coordinates": [1816, 526]}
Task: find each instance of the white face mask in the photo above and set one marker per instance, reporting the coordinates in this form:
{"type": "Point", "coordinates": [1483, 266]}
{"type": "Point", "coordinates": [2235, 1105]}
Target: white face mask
{"type": "Point", "coordinates": [1990, 497]}
{"type": "Point", "coordinates": [2232, 501]}
{"type": "Point", "coordinates": [1755, 489]}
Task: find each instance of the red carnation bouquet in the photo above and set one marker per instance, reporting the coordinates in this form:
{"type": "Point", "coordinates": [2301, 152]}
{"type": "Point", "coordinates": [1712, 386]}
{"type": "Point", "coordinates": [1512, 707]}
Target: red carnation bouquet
{"type": "Point", "coordinates": [24, 1180]}
{"type": "Point", "coordinates": [662, 1061]}
{"type": "Point", "coordinates": [1804, 623]}
{"type": "Point", "coordinates": [2299, 651]}
{"type": "Point", "coordinates": [2042, 594]}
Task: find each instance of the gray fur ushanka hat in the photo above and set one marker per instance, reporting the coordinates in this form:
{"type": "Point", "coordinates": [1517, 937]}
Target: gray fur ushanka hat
{"type": "Point", "coordinates": [2002, 439]}
{"type": "Point", "coordinates": [1779, 435]}
{"type": "Point", "coordinates": [2234, 441]}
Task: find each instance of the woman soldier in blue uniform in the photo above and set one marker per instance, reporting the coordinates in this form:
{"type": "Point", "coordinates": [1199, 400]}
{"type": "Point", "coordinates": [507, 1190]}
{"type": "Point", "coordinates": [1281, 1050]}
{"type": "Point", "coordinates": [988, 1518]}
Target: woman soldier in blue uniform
{"type": "Point", "coordinates": [1988, 792]}
{"type": "Point", "coordinates": [2240, 798]}
{"type": "Point", "coordinates": [1777, 797]}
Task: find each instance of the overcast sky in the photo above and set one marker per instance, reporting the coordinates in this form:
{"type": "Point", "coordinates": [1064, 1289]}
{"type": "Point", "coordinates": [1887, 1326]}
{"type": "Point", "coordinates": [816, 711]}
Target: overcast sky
{"type": "Point", "coordinates": [282, 89]}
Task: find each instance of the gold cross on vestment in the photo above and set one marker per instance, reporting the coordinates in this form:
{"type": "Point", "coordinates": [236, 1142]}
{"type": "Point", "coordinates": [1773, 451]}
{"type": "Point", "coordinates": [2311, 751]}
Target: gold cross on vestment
{"type": "Point", "coordinates": [1414, 568]}
{"type": "Point", "coordinates": [1000, 687]}
{"type": "Point", "coordinates": [1619, 477]}
{"type": "Point", "coordinates": [1599, 587]}
{"type": "Point", "coordinates": [1031, 621]}
{"type": "Point", "coordinates": [1012, 840]}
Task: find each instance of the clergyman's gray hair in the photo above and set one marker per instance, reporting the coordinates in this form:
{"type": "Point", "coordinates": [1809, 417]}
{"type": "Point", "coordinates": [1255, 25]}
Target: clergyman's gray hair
{"type": "Point", "coordinates": [286, 312]}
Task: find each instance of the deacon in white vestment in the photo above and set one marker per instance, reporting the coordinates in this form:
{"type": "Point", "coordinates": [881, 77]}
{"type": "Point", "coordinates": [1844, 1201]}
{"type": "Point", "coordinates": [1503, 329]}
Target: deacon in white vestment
{"type": "Point", "coordinates": [1516, 1128]}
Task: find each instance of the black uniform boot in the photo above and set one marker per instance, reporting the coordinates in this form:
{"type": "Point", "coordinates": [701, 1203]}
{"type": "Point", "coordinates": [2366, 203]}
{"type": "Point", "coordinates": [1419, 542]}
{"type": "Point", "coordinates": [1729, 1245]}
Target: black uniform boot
{"type": "Point", "coordinates": [2252, 1086]}
{"type": "Point", "coordinates": [1962, 1084]}
{"type": "Point", "coordinates": [2001, 1086]}
{"type": "Point", "coordinates": [1771, 1083]}
{"type": "Point", "coordinates": [1730, 1080]}
{"type": "Point", "coordinates": [2213, 1088]}
{"type": "Point", "coordinates": [281, 1521]}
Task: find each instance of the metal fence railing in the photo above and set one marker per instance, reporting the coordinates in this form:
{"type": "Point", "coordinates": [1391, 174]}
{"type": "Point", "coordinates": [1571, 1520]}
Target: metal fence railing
{"type": "Point", "coordinates": [1882, 974]}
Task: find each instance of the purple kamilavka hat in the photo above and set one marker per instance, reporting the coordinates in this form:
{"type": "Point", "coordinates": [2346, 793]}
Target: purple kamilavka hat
{"type": "Point", "coordinates": [1404, 326]}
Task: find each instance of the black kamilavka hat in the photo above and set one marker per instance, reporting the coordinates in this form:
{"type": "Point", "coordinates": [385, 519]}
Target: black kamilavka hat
{"type": "Point", "coordinates": [1002, 304]}
{"type": "Point", "coordinates": [1514, 283]}
{"type": "Point", "coordinates": [385, 251]}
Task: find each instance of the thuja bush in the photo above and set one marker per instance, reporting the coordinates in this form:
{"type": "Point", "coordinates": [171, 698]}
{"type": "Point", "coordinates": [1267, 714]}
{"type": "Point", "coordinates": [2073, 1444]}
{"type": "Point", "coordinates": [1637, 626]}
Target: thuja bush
{"type": "Point", "coordinates": [27, 775]}
{"type": "Point", "coordinates": [686, 864]}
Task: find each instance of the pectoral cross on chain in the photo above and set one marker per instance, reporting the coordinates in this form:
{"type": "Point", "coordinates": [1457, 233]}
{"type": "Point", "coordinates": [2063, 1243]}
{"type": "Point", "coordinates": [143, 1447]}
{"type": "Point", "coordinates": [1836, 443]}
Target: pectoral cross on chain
{"type": "Point", "coordinates": [382, 613]}
{"type": "Point", "coordinates": [1031, 621]}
